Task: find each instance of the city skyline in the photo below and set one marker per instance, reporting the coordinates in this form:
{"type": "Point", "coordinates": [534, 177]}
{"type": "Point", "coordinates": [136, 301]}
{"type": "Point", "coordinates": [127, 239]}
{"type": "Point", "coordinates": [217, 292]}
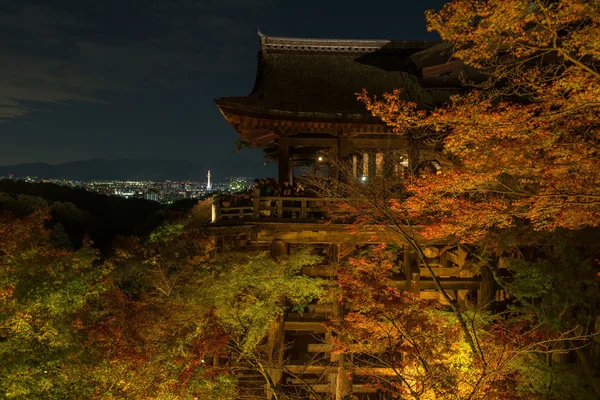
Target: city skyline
{"type": "Point", "coordinates": [160, 191]}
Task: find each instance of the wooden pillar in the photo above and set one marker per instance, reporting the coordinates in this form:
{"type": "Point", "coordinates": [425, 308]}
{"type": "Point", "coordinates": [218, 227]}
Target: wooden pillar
{"type": "Point", "coordinates": [256, 204]}
{"type": "Point", "coordinates": [341, 386]}
{"type": "Point", "coordinates": [343, 153]}
{"type": "Point", "coordinates": [379, 164]}
{"type": "Point", "coordinates": [415, 273]}
{"type": "Point", "coordinates": [487, 290]}
{"type": "Point", "coordinates": [355, 166]}
{"type": "Point", "coordinates": [412, 271]}
{"type": "Point", "coordinates": [334, 253]}
{"type": "Point", "coordinates": [276, 348]}
{"type": "Point", "coordinates": [365, 164]}
{"type": "Point", "coordinates": [461, 295]}
{"type": "Point", "coordinates": [372, 164]}
{"type": "Point", "coordinates": [343, 383]}
{"type": "Point", "coordinates": [284, 159]}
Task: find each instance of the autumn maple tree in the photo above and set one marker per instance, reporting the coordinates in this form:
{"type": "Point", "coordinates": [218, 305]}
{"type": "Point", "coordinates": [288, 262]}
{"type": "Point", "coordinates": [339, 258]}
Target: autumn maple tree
{"type": "Point", "coordinates": [154, 317]}
{"type": "Point", "coordinates": [520, 176]}
{"type": "Point", "coordinates": [179, 325]}
{"type": "Point", "coordinates": [46, 294]}
{"type": "Point", "coordinates": [522, 145]}
{"type": "Point", "coordinates": [414, 349]}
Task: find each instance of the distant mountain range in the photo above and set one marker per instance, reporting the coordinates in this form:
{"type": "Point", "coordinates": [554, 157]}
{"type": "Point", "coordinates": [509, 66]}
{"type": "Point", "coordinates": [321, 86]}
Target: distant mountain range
{"type": "Point", "coordinates": [125, 169]}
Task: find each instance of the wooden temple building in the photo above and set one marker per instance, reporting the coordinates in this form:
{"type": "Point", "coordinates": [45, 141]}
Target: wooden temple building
{"type": "Point", "coordinates": [303, 105]}
{"type": "Point", "coordinates": [304, 100]}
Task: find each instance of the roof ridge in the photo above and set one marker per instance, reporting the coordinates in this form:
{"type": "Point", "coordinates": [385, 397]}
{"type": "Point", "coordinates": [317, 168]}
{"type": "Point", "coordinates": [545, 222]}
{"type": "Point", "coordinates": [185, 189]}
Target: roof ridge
{"type": "Point", "coordinates": [337, 45]}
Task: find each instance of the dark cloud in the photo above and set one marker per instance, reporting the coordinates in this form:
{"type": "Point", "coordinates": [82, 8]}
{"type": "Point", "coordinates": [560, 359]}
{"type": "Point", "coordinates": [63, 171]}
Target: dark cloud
{"type": "Point", "coordinates": [50, 55]}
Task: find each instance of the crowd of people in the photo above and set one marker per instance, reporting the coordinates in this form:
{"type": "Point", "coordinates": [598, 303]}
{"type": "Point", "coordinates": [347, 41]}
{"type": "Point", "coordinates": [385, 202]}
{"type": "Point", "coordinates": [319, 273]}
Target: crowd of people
{"type": "Point", "coordinates": [264, 187]}
{"type": "Point", "coordinates": [269, 187]}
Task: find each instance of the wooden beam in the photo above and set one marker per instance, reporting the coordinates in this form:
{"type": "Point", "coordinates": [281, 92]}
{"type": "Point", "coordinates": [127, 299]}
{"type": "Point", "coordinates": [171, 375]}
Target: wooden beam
{"type": "Point", "coordinates": [487, 293]}
{"type": "Point", "coordinates": [309, 369]}
{"type": "Point", "coordinates": [392, 143]}
{"type": "Point", "coordinates": [320, 308]}
{"type": "Point", "coordinates": [317, 142]}
{"type": "Point", "coordinates": [441, 271]}
{"type": "Point", "coordinates": [318, 369]}
{"type": "Point", "coordinates": [461, 255]}
{"type": "Point", "coordinates": [447, 283]}
{"type": "Point", "coordinates": [319, 348]}
{"type": "Point", "coordinates": [326, 388]}
{"type": "Point", "coordinates": [316, 327]}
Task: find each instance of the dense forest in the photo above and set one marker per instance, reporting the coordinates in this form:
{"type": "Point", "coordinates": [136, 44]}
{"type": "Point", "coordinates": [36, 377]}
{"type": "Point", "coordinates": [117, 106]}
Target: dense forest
{"type": "Point", "coordinates": [82, 213]}
{"type": "Point", "coordinates": [137, 319]}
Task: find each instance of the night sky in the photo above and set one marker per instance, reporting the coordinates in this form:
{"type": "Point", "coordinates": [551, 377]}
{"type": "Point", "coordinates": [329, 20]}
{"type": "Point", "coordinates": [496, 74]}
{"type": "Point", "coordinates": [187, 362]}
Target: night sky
{"type": "Point", "coordinates": [83, 79]}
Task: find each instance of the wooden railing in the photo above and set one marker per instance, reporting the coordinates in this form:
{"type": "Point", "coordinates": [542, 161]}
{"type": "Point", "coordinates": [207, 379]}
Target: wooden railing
{"type": "Point", "coordinates": [316, 208]}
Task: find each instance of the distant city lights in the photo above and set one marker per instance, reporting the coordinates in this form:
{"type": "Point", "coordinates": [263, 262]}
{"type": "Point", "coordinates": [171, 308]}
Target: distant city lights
{"type": "Point", "coordinates": [163, 192]}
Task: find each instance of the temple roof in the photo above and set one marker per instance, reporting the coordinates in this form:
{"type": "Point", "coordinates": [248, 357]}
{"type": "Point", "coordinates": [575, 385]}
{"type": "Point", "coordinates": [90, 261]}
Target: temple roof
{"type": "Point", "coordinates": [361, 46]}
{"type": "Point", "coordinates": [319, 78]}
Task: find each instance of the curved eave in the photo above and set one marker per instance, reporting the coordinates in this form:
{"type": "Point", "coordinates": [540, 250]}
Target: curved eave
{"type": "Point", "coordinates": [358, 46]}
{"type": "Point", "coordinates": [232, 107]}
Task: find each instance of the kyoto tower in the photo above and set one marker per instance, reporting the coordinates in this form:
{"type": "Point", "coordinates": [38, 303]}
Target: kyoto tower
{"type": "Point", "coordinates": [208, 184]}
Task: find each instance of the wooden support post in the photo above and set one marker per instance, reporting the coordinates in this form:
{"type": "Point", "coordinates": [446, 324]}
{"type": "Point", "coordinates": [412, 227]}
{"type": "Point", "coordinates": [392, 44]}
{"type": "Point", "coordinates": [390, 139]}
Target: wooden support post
{"type": "Point", "coordinates": [465, 272]}
{"type": "Point", "coordinates": [379, 159]}
{"type": "Point", "coordinates": [365, 164]}
{"type": "Point", "coordinates": [372, 165]}
{"type": "Point", "coordinates": [284, 158]}
{"type": "Point", "coordinates": [334, 253]}
{"type": "Point", "coordinates": [406, 262]}
{"type": "Point", "coordinates": [343, 383]}
{"type": "Point", "coordinates": [461, 256]}
{"type": "Point", "coordinates": [487, 290]}
{"type": "Point", "coordinates": [340, 384]}
{"type": "Point", "coordinates": [411, 271]}
{"type": "Point", "coordinates": [332, 375]}
{"type": "Point", "coordinates": [415, 276]}
{"type": "Point", "coordinates": [276, 338]}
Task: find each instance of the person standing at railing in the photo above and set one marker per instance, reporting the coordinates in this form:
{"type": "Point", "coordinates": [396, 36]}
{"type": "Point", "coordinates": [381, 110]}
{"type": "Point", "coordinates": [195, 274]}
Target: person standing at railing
{"type": "Point", "coordinates": [266, 191]}
{"type": "Point", "coordinates": [275, 184]}
{"type": "Point", "coordinates": [287, 191]}
{"type": "Point", "coordinates": [297, 191]}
